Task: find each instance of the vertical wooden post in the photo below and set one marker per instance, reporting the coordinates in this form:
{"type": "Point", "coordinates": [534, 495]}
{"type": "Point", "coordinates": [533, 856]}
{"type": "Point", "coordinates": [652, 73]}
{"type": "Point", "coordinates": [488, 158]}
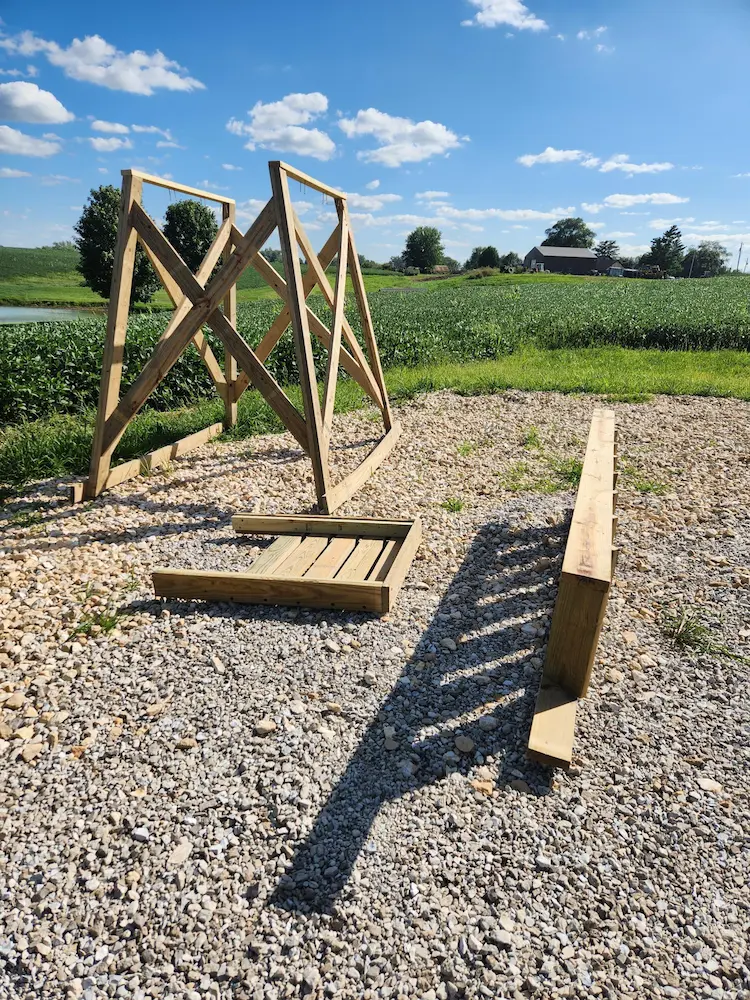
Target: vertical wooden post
{"type": "Point", "coordinates": [230, 311]}
{"type": "Point", "coordinates": [367, 328]}
{"type": "Point", "coordinates": [334, 349]}
{"type": "Point", "coordinates": [117, 325]}
{"type": "Point", "coordinates": [300, 329]}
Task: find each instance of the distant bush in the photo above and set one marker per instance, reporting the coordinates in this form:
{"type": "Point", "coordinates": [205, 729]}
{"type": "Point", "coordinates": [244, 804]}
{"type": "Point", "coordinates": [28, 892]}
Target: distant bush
{"type": "Point", "coordinates": [483, 272]}
{"type": "Point", "coordinates": [411, 272]}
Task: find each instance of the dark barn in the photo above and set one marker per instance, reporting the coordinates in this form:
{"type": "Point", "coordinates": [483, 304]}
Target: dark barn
{"type": "Point", "coordinates": [561, 260]}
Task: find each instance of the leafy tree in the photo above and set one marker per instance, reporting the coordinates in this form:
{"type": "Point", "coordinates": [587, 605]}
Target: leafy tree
{"type": "Point", "coordinates": [569, 233]}
{"type": "Point", "coordinates": [272, 256]}
{"type": "Point", "coordinates": [96, 239]}
{"type": "Point", "coordinates": [191, 228]}
{"type": "Point", "coordinates": [365, 262]}
{"type": "Point", "coordinates": [607, 248]}
{"type": "Point", "coordinates": [709, 259]}
{"type": "Point", "coordinates": [489, 257]}
{"type": "Point", "coordinates": [64, 245]}
{"type": "Point", "coordinates": [629, 262]}
{"type": "Point", "coordinates": [453, 266]}
{"type": "Point", "coordinates": [667, 252]}
{"type": "Point", "coordinates": [510, 262]}
{"type": "Point", "coordinates": [424, 248]}
{"type": "Point", "coordinates": [397, 263]}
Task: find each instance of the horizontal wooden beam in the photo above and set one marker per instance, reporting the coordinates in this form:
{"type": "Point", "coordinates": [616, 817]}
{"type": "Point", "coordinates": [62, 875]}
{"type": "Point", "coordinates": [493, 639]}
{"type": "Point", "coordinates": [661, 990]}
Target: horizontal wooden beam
{"type": "Point", "coordinates": [308, 181]}
{"type": "Point", "coordinates": [245, 588]}
{"type": "Point", "coordinates": [164, 182]}
{"type": "Point", "coordinates": [348, 486]}
{"type": "Point", "coordinates": [553, 728]}
{"type": "Point", "coordinates": [294, 524]}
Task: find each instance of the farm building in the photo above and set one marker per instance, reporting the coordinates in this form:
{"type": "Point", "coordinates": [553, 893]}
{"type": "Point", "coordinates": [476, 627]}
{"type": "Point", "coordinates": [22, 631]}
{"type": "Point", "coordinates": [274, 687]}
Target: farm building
{"type": "Point", "coordinates": [561, 260]}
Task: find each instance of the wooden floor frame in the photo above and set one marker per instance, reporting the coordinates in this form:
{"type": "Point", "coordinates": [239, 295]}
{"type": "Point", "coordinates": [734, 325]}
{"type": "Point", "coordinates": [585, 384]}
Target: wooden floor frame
{"type": "Point", "coordinates": [202, 299]}
{"type": "Point", "coordinates": [347, 563]}
{"type": "Point", "coordinates": [588, 570]}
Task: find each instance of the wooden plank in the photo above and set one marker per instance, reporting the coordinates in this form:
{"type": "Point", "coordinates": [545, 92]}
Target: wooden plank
{"type": "Point", "coordinates": [347, 487]}
{"type": "Point", "coordinates": [385, 560]}
{"type": "Point", "coordinates": [298, 562]}
{"type": "Point", "coordinates": [161, 456]}
{"type": "Point", "coordinates": [360, 563]}
{"type": "Point", "coordinates": [553, 727]}
{"type": "Point", "coordinates": [230, 311]}
{"type": "Point", "coordinates": [327, 565]}
{"type": "Point", "coordinates": [400, 566]}
{"type": "Point", "coordinates": [308, 181]}
{"type": "Point", "coordinates": [170, 185]}
{"type": "Point", "coordinates": [295, 524]}
{"type": "Point", "coordinates": [300, 331]}
{"type": "Point", "coordinates": [168, 350]}
{"type": "Point", "coordinates": [244, 588]}
{"type": "Point", "coordinates": [358, 283]}
{"type": "Point", "coordinates": [334, 350]}
{"type": "Point", "coordinates": [114, 342]}
{"type": "Point", "coordinates": [275, 554]}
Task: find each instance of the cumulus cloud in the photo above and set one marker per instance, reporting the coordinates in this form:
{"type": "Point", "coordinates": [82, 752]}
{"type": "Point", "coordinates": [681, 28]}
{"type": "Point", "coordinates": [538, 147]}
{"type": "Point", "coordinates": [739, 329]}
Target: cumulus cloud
{"type": "Point", "coordinates": [592, 35]}
{"type": "Point", "coordinates": [280, 125]}
{"type": "Point", "coordinates": [509, 214]}
{"type": "Point", "coordinates": [735, 176]}
{"type": "Point", "coordinates": [400, 139]}
{"type": "Point", "coordinates": [229, 166]}
{"type": "Point", "coordinates": [492, 13]}
{"type": "Point", "coordinates": [12, 172]}
{"type": "Point", "coordinates": [620, 161]}
{"type": "Point", "coordinates": [102, 145]}
{"type": "Point", "coordinates": [371, 202]}
{"type": "Point", "coordinates": [94, 60]}
{"type": "Point", "coordinates": [666, 223]}
{"type": "Point", "coordinates": [25, 102]}
{"type": "Point", "coordinates": [17, 143]}
{"type": "Point", "coordinates": [248, 211]}
{"type": "Point", "coordinates": [431, 195]}
{"type": "Point", "coordinates": [101, 126]}
{"type": "Point", "coordinates": [31, 72]}
{"type": "Point", "coordinates": [373, 185]}
{"type": "Point", "coordinates": [153, 130]}
{"type": "Point", "coordinates": [628, 200]}
{"type": "Point", "coordinates": [592, 207]}
{"type": "Point", "coordinates": [617, 235]}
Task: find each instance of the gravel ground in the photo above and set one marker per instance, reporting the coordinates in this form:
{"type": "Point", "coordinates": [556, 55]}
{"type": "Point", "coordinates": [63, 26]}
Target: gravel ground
{"type": "Point", "coordinates": [205, 802]}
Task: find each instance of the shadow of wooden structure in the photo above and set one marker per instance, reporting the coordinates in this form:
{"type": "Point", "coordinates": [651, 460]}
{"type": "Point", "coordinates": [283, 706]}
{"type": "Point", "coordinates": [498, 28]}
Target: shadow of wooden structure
{"type": "Point", "coordinates": [208, 298]}
{"type": "Point", "coordinates": [588, 569]}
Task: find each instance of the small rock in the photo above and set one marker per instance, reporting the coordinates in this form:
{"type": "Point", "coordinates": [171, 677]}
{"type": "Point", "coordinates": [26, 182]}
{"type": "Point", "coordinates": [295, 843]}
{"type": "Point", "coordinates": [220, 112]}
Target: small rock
{"type": "Point", "coordinates": [390, 743]}
{"type": "Point", "coordinates": [331, 646]}
{"type": "Point", "coordinates": [504, 939]}
{"type": "Point", "coordinates": [334, 708]}
{"type": "Point", "coordinates": [24, 733]}
{"type": "Point", "coordinates": [16, 700]}
{"type": "Point", "coordinates": [543, 863]}
{"type": "Point", "coordinates": [265, 727]}
{"type": "Point", "coordinates": [31, 751]}
{"type": "Point", "coordinates": [187, 743]}
{"type": "Point", "coordinates": [488, 723]}
{"type": "Point", "coordinates": [369, 679]}
{"type": "Point", "coordinates": [218, 666]}
{"type": "Point", "coordinates": [464, 744]}
{"type": "Point", "coordinates": [709, 785]}
{"type": "Point", "coordinates": [447, 643]}
{"type": "Point", "coordinates": [181, 853]}
{"type": "Point", "coordinates": [297, 707]}
{"type": "Point", "coordinates": [141, 834]}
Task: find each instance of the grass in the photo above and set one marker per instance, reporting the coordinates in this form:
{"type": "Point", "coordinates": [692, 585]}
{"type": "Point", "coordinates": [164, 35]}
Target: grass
{"type": "Point", "coordinates": [96, 622]}
{"type": "Point", "coordinates": [453, 504]}
{"type": "Point", "coordinates": [635, 478]}
{"type": "Point", "coordinates": [687, 631]}
{"type": "Point", "coordinates": [59, 446]}
{"type": "Point", "coordinates": [531, 440]}
{"type": "Point", "coordinates": [466, 448]}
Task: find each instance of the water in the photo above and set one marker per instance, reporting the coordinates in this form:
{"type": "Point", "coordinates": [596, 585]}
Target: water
{"type": "Point", "coordinates": [36, 314]}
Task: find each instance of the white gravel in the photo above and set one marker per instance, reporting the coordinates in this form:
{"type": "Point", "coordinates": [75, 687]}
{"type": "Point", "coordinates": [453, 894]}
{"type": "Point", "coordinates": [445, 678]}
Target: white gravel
{"type": "Point", "coordinates": [209, 801]}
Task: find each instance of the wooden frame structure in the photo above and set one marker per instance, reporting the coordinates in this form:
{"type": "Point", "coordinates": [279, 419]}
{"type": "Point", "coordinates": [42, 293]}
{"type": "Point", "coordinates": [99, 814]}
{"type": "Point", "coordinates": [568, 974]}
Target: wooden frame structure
{"type": "Point", "coordinates": [201, 299]}
{"type": "Point", "coordinates": [355, 564]}
{"type": "Point", "coordinates": [588, 569]}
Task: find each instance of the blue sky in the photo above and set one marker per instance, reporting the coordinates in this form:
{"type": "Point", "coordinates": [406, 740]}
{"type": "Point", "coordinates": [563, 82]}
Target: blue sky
{"type": "Point", "coordinates": [487, 118]}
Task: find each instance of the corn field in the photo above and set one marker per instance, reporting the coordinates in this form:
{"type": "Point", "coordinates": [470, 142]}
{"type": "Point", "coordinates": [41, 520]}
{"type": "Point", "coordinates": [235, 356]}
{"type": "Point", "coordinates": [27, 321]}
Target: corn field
{"type": "Point", "coordinates": [53, 368]}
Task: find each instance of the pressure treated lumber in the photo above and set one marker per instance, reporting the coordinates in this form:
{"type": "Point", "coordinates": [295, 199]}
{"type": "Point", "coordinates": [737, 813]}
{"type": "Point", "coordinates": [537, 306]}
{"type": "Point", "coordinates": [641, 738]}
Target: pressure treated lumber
{"type": "Point", "coordinates": [588, 568]}
{"type": "Point", "coordinates": [360, 564]}
{"type": "Point", "coordinates": [208, 298]}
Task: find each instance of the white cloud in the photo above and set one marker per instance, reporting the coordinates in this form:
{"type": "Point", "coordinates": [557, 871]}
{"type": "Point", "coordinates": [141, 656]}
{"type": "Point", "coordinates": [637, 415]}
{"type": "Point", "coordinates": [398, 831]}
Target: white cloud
{"type": "Point", "coordinates": [628, 200]}
{"type": "Point", "coordinates": [635, 213]}
{"type": "Point", "coordinates": [31, 72]}
{"type": "Point", "coordinates": [12, 172]}
{"type": "Point", "coordinates": [509, 214]}
{"type": "Point", "coordinates": [617, 235]}
{"type": "Point", "coordinates": [114, 127]}
{"type": "Point", "coordinates": [592, 208]}
{"type": "Point", "coordinates": [102, 170]}
{"type": "Point", "coordinates": [210, 186]}
{"type": "Point", "coordinates": [248, 211]}
{"type": "Point", "coordinates": [51, 180]}
{"type": "Point", "coordinates": [400, 139]}
{"type": "Point", "coordinates": [560, 38]}
{"type": "Point", "coordinates": [591, 35]}
{"type": "Point", "coordinates": [747, 174]}
{"type": "Point", "coordinates": [666, 223]}
{"type": "Point", "coordinates": [371, 202]}
{"type": "Point", "coordinates": [94, 60]}
{"type": "Point", "coordinates": [621, 161]}
{"type": "Point", "coordinates": [109, 145]}
{"type": "Point", "coordinates": [279, 126]}
{"type": "Point", "coordinates": [431, 195]}
{"type": "Point", "coordinates": [373, 185]}
{"type": "Point", "coordinates": [551, 155]}
{"type": "Point", "coordinates": [721, 237]}
{"type": "Point", "coordinates": [25, 102]}
{"type": "Point", "coordinates": [606, 49]}
{"type": "Point", "coordinates": [230, 166]}
{"type": "Point", "coordinates": [153, 130]}
{"type": "Point", "coordinates": [18, 143]}
{"type": "Point", "coordinates": [491, 13]}
{"type": "Point", "coordinates": [165, 144]}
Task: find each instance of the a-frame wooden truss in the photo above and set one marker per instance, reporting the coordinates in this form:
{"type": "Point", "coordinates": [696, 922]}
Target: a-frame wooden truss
{"type": "Point", "coordinates": [201, 299]}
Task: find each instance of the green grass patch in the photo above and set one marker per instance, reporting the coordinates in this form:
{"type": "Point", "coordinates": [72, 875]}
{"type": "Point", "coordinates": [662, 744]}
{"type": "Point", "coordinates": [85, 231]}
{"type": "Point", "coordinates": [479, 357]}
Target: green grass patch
{"type": "Point", "coordinates": [453, 504]}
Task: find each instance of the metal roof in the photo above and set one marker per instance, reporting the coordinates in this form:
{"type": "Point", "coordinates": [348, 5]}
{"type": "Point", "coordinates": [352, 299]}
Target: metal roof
{"type": "Point", "coordinates": [564, 252]}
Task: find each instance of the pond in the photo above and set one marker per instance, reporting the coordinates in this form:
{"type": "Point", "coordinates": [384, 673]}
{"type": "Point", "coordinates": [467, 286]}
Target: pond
{"type": "Point", "coordinates": [36, 314]}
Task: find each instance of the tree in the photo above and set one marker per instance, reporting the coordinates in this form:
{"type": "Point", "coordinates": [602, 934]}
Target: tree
{"type": "Point", "coordinates": [272, 256]}
{"type": "Point", "coordinates": [453, 266]}
{"type": "Point", "coordinates": [96, 239]}
{"type": "Point", "coordinates": [629, 262]}
{"type": "Point", "coordinates": [191, 228]}
{"type": "Point", "coordinates": [510, 262]}
{"type": "Point", "coordinates": [397, 263]}
{"type": "Point", "coordinates": [607, 248]}
{"type": "Point", "coordinates": [489, 257]}
{"type": "Point", "coordinates": [365, 262]}
{"type": "Point", "coordinates": [708, 260]}
{"type": "Point", "coordinates": [424, 248]}
{"type": "Point", "coordinates": [667, 252]}
{"type": "Point", "coordinates": [569, 233]}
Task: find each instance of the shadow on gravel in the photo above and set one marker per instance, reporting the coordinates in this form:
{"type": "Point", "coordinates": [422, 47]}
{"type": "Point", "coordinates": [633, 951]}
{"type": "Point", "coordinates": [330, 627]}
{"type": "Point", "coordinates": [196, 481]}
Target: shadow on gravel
{"type": "Point", "coordinates": [435, 691]}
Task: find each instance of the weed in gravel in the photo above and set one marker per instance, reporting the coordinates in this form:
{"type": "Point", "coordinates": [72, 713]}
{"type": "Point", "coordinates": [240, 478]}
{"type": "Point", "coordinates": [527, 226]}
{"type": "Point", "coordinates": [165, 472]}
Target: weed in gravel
{"type": "Point", "coordinates": [639, 482]}
{"type": "Point", "coordinates": [685, 631]}
{"type": "Point", "coordinates": [466, 448]}
{"type": "Point", "coordinates": [453, 504]}
{"type": "Point", "coordinates": [96, 622]}
{"type": "Point", "coordinates": [531, 440]}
